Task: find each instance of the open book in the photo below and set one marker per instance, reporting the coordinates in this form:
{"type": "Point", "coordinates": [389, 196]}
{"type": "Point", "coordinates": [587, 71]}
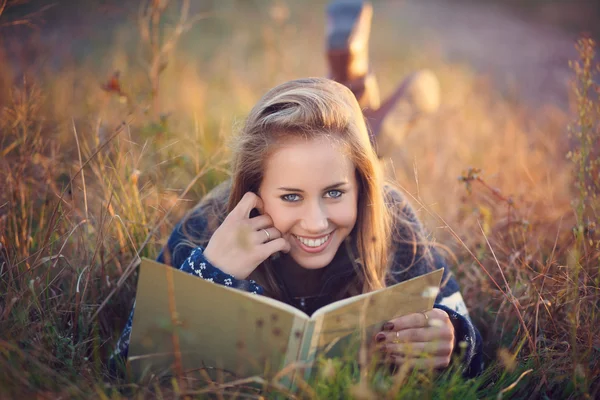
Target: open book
{"type": "Point", "coordinates": [232, 334]}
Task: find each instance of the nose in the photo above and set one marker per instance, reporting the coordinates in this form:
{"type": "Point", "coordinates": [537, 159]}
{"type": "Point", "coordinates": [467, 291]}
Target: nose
{"type": "Point", "coordinates": [315, 219]}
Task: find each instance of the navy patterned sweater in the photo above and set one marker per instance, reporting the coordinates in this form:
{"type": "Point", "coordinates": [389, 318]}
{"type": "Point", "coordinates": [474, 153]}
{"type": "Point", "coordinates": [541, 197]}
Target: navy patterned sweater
{"type": "Point", "coordinates": [190, 259]}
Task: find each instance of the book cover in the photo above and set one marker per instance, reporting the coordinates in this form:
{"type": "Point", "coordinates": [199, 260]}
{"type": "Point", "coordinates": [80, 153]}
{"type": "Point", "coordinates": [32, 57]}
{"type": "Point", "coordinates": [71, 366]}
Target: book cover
{"type": "Point", "coordinates": [228, 334]}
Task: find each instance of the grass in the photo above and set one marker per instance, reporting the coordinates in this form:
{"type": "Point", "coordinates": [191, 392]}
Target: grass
{"type": "Point", "coordinates": [92, 179]}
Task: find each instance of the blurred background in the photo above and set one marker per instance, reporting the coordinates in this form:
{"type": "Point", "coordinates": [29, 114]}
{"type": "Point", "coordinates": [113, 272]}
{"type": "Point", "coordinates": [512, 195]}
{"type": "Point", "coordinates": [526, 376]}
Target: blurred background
{"type": "Point", "coordinates": [504, 53]}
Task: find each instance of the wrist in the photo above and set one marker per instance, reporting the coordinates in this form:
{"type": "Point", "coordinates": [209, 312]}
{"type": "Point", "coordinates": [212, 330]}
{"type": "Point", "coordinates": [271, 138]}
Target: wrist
{"type": "Point", "coordinates": [197, 264]}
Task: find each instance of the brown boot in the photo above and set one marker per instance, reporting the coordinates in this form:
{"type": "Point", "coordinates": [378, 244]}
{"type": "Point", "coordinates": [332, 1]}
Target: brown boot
{"type": "Point", "coordinates": [348, 31]}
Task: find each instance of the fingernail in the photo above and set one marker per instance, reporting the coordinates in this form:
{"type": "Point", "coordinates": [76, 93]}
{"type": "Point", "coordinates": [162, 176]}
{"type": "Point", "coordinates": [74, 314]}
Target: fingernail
{"type": "Point", "coordinates": [380, 337]}
{"type": "Point", "coordinates": [388, 326]}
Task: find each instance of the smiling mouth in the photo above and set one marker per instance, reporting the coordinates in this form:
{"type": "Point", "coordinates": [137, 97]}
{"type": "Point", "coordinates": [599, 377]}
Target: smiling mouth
{"type": "Point", "coordinates": [313, 242]}
{"type": "Point", "coordinates": [313, 245]}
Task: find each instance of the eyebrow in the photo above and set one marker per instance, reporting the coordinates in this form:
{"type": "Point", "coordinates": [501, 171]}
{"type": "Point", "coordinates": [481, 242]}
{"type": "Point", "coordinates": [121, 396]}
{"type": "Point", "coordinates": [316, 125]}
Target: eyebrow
{"type": "Point", "coordinates": [334, 186]}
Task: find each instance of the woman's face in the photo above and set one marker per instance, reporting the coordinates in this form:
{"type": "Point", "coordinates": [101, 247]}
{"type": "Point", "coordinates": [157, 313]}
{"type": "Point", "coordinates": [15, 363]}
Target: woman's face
{"type": "Point", "coordinates": [310, 191]}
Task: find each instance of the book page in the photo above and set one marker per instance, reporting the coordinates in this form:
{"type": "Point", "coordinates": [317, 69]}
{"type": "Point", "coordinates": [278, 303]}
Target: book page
{"type": "Point", "coordinates": [422, 283]}
{"type": "Point", "coordinates": [228, 332]}
{"type": "Point", "coordinates": [336, 323]}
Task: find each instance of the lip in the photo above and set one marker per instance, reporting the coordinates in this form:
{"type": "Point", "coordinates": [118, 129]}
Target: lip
{"type": "Point", "coordinates": [314, 249]}
{"type": "Point", "coordinates": [314, 237]}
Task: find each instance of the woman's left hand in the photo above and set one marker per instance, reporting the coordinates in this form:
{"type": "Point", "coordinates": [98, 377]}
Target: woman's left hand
{"type": "Point", "coordinates": [424, 340]}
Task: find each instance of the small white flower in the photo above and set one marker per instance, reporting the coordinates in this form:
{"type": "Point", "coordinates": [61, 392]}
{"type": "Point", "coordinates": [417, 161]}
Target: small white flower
{"type": "Point", "coordinates": [210, 279]}
{"type": "Point", "coordinates": [228, 282]}
{"type": "Point", "coordinates": [202, 265]}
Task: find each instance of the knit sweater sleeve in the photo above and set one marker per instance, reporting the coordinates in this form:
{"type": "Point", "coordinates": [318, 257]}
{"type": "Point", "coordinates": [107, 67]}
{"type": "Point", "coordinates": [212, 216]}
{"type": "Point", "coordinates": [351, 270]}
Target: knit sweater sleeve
{"type": "Point", "coordinates": [412, 259]}
{"type": "Point", "coordinates": [196, 264]}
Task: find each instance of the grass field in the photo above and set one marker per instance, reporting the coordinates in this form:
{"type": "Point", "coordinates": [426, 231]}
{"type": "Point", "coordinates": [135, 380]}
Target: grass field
{"type": "Point", "coordinates": [94, 174]}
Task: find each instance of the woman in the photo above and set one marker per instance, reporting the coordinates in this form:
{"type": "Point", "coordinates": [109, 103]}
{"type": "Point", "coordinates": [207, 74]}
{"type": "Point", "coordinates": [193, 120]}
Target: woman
{"type": "Point", "coordinates": [307, 219]}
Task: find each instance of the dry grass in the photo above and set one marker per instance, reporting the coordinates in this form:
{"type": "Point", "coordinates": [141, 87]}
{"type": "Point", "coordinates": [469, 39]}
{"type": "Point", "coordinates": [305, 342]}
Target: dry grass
{"type": "Point", "coordinates": [91, 179]}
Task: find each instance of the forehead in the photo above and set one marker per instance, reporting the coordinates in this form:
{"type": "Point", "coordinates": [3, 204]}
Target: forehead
{"type": "Point", "coordinates": [310, 162]}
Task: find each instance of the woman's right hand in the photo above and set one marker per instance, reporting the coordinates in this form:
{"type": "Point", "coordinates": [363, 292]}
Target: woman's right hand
{"type": "Point", "coordinates": [240, 244]}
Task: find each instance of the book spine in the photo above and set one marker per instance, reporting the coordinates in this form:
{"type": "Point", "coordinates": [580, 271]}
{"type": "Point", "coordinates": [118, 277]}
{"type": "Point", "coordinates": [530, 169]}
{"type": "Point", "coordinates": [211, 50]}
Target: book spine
{"type": "Point", "coordinates": [294, 348]}
{"type": "Point", "coordinates": [303, 355]}
{"type": "Point", "coordinates": [294, 345]}
{"type": "Point", "coordinates": [311, 345]}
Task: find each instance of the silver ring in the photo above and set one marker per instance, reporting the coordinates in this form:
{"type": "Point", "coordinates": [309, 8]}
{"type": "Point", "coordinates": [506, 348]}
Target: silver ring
{"type": "Point", "coordinates": [268, 234]}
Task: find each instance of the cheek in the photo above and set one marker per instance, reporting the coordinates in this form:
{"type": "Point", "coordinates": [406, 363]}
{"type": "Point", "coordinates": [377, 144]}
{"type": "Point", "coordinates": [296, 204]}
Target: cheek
{"type": "Point", "coordinates": [346, 218]}
{"type": "Point", "coordinates": [283, 219]}
{"type": "Point", "coordinates": [345, 215]}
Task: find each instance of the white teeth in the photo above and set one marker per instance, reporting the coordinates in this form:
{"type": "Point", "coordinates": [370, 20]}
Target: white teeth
{"type": "Point", "coordinates": [313, 242]}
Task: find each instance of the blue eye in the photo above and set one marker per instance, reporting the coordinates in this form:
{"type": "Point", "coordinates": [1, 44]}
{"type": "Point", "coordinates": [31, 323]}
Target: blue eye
{"type": "Point", "coordinates": [291, 198]}
{"type": "Point", "coordinates": [334, 193]}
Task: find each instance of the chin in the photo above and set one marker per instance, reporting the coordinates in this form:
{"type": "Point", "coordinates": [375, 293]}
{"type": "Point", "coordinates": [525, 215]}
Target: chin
{"type": "Point", "coordinates": [311, 265]}
{"type": "Point", "coordinates": [318, 262]}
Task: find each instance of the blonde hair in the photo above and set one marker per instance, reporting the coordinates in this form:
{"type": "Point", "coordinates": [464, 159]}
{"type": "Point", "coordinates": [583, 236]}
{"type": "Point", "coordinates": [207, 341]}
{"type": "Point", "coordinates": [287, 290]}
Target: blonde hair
{"type": "Point", "coordinates": [310, 108]}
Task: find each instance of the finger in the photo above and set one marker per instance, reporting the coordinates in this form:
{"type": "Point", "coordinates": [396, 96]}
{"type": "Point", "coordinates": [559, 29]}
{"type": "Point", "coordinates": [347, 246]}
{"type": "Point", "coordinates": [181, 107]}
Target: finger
{"type": "Point", "coordinates": [416, 320]}
{"type": "Point", "coordinates": [249, 201]}
{"type": "Point", "coordinates": [261, 237]}
{"type": "Point", "coordinates": [438, 314]}
{"type": "Point", "coordinates": [261, 222]}
{"type": "Point", "coordinates": [421, 335]}
{"type": "Point", "coordinates": [418, 349]}
{"type": "Point", "coordinates": [269, 248]}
